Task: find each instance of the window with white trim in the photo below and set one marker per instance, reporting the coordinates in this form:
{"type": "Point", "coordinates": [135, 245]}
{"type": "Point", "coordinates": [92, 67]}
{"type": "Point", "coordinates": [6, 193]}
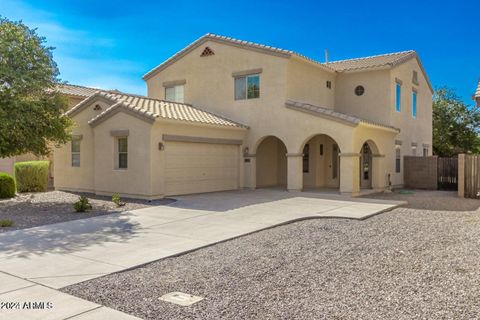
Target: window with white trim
{"type": "Point", "coordinates": [247, 87]}
{"type": "Point", "coordinates": [175, 93]}
{"type": "Point", "coordinates": [75, 149]}
{"type": "Point", "coordinates": [122, 150]}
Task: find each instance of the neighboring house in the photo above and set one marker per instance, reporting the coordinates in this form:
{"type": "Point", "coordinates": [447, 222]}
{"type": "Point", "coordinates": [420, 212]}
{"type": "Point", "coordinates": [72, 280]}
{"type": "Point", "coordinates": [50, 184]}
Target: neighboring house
{"type": "Point", "coordinates": [75, 94]}
{"type": "Point", "coordinates": [225, 114]}
{"type": "Point", "coordinates": [476, 95]}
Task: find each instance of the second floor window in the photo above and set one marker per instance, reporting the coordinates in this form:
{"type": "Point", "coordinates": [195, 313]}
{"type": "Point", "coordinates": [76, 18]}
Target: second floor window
{"type": "Point", "coordinates": [398, 97]}
{"type": "Point", "coordinates": [414, 104]}
{"type": "Point", "coordinates": [175, 93]}
{"type": "Point", "coordinates": [247, 87]}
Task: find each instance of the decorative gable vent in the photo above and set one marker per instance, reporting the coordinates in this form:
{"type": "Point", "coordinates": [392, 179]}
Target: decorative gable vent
{"type": "Point", "coordinates": [97, 107]}
{"type": "Point", "coordinates": [207, 52]}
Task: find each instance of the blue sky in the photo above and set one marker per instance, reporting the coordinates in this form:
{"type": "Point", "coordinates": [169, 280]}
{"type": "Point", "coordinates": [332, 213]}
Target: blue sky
{"type": "Point", "coordinates": [111, 44]}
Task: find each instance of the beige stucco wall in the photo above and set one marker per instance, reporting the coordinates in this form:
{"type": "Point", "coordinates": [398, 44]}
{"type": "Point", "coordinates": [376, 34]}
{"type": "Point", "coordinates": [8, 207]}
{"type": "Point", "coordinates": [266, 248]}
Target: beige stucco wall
{"type": "Point", "coordinates": [78, 178]}
{"type": "Point", "coordinates": [135, 180]}
{"type": "Point", "coordinates": [306, 82]}
{"type": "Point", "coordinates": [373, 104]}
{"type": "Point", "coordinates": [271, 161]}
{"type": "Point", "coordinates": [413, 130]}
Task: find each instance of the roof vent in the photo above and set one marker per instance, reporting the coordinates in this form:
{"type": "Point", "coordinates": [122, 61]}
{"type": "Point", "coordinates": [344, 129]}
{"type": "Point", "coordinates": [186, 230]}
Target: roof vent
{"type": "Point", "coordinates": [207, 52]}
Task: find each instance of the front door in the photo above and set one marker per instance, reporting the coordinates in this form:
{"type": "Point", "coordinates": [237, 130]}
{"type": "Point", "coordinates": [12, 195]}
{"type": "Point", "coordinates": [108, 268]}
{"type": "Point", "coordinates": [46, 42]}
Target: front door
{"type": "Point", "coordinates": [366, 167]}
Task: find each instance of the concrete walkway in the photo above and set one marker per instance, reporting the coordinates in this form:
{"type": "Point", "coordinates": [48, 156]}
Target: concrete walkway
{"type": "Point", "coordinates": [34, 262]}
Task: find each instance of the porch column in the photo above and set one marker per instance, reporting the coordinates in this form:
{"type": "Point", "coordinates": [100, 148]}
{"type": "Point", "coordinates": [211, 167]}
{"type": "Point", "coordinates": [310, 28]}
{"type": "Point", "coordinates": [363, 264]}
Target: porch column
{"type": "Point", "coordinates": [294, 172]}
{"type": "Point", "coordinates": [250, 171]}
{"type": "Point", "coordinates": [350, 174]}
{"type": "Point", "coordinates": [379, 176]}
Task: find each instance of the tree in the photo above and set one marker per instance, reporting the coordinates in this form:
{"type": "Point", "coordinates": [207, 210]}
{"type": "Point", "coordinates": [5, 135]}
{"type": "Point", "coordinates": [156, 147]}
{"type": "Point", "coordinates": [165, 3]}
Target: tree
{"type": "Point", "coordinates": [455, 125]}
{"type": "Point", "coordinates": [31, 111]}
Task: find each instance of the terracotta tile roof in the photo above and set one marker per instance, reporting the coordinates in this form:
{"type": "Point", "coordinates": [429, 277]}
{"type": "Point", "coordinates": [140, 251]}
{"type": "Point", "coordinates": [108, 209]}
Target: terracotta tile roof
{"type": "Point", "coordinates": [389, 59]}
{"type": "Point", "coordinates": [153, 108]}
{"type": "Point", "coordinates": [334, 115]}
{"type": "Point", "coordinates": [75, 90]}
{"type": "Point", "coordinates": [232, 41]}
{"type": "Point", "coordinates": [383, 60]}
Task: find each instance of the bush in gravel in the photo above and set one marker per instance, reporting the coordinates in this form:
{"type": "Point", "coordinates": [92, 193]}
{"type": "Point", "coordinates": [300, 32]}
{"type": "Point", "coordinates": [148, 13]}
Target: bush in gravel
{"type": "Point", "coordinates": [7, 186]}
{"type": "Point", "coordinates": [82, 204]}
{"type": "Point", "coordinates": [6, 223]}
{"type": "Point", "coordinates": [32, 176]}
{"type": "Point", "coordinates": [117, 200]}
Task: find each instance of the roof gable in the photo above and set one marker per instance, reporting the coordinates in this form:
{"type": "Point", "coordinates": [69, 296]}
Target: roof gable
{"type": "Point", "coordinates": [231, 42]}
{"type": "Point", "coordinates": [151, 109]}
{"type": "Point", "coordinates": [387, 61]}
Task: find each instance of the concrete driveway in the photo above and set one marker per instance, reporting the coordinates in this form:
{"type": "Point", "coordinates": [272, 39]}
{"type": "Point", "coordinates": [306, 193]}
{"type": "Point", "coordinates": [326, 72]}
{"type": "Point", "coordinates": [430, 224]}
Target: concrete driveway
{"type": "Point", "coordinates": [38, 260]}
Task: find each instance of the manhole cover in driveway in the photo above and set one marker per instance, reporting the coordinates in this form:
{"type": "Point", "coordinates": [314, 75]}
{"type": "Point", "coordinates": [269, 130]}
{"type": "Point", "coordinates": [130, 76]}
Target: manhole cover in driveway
{"type": "Point", "coordinates": [180, 298]}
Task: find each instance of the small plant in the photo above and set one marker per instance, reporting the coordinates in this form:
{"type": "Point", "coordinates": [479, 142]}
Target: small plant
{"type": "Point", "coordinates": [82, 204]}
{"type": "Point", "coordinates": [6, 223]}
{"type": "Point", "coordinates": [7, 186]}
{"type": "Point", "coordinates": [117, 200]}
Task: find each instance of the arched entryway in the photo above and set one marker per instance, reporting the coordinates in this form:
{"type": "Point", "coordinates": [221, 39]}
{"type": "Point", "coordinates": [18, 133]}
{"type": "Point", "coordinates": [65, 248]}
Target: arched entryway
{"type": "Point", "coordinates": [367, 164]}
{"type": "Point", "coordinates": [321, 163]}
{"type": "Point", "coordinates": [271, 162]}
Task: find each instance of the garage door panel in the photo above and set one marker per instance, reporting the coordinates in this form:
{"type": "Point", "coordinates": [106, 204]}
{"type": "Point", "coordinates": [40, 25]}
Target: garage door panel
{"type": "Point", "coordinates": [200, 167]}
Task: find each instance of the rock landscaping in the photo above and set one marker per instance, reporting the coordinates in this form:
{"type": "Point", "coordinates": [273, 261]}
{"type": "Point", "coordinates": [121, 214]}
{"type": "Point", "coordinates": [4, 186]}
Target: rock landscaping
{"type": "Point", "coordinates": [28, 210]}
{"type": "Point", "coordinates": [405, 264]}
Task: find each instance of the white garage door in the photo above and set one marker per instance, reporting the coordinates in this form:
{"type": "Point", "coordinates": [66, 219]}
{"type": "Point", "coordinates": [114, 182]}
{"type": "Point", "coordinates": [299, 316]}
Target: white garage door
{"type": "Point", "coordinates": [200, 167]}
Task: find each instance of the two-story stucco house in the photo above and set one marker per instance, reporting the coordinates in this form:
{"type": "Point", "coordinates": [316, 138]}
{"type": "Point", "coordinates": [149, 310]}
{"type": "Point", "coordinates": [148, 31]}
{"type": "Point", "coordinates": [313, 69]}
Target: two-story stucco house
{"type": "Point", "coordinates": [225, 114]}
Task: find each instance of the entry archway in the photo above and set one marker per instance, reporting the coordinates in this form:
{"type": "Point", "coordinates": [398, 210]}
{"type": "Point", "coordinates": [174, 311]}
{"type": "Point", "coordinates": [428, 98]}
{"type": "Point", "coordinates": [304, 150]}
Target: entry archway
{"type": "Point", "coordinates": [271, 162]}
{"type": "Point", "coordinates": [369, 149]}
{"type": "Point", "coordinates": [321, 162]}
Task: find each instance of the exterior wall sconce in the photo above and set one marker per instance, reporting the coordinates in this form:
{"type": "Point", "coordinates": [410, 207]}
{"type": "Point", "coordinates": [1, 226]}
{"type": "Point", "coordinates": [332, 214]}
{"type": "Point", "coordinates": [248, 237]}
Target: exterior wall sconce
{"type": "Point", "coordinates": [161, 146]}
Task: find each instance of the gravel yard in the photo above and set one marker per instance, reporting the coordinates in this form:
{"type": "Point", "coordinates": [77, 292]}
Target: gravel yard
{"type": "Point", "coordinates": [35, 209]}
{"type": "Point", "coordinates": [405, 264]}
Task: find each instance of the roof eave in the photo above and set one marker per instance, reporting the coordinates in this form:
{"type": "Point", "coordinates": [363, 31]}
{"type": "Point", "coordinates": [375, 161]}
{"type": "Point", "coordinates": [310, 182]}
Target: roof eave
{"type": "Point", "coordinates": [117, 108]}
{"type": "Point", "coordinates": [82, 104]}
{"type": "Point", "coordinates": [202, 124]}
{"type": "Point", "coordinates": [324, 67]}
{"type": "Point", "coordinates": [365, 123]}
{"type": "Point", "coordinates": [223, 40]}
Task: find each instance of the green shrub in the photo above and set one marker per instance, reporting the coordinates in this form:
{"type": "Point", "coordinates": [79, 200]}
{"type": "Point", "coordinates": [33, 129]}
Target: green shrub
{"type": "Point", "coordinates": [32, 176]}
{"type": "Point", "coordinates": [117, 200]}
{"type": "Point", "coordinates": [6, 223]}
{"type": "Point", "coordinates": [82, 204]}
{"type": "Point", "coordinates": [7, 186]}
